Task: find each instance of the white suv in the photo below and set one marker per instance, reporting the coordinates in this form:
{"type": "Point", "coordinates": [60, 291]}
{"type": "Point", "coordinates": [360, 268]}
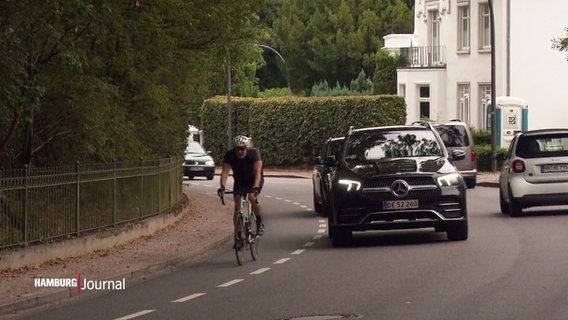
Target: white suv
{"type": "Point", "coordinates": [534, 171]}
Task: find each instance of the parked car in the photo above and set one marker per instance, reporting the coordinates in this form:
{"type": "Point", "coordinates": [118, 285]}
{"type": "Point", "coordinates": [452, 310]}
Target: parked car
{"type": "Point", "coordinates": [324, 164]}
{"type": "Point", "coordinates": [396, 177]}
{"type": "Point", "coordinates": [457, 136]}
{"type": "Point", "coordinates": [534, 171]}
{"type": "Point", "coordinates": [198, 162]}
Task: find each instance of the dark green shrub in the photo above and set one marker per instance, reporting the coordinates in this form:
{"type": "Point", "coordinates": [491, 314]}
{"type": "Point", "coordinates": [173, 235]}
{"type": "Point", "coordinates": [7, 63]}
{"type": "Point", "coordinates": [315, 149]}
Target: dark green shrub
{"type": "Point", "coordinates": [484, 156]}
{"type": "Point", "coordinates": [289, 130]}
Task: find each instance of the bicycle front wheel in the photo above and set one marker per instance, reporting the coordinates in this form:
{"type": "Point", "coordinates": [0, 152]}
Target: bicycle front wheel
{"type": "Point", "coordinates": [253, 239]}
{"type": "Point", "coordinates": [240, 240]}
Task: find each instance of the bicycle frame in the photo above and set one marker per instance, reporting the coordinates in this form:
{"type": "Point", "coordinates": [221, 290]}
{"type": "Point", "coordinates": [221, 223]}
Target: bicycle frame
{"type": "Point", "coordinates": [245, 234]}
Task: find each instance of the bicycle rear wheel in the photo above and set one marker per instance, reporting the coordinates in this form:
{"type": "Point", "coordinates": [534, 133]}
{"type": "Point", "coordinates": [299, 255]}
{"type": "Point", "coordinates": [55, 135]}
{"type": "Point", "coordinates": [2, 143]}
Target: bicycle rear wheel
{"type": "Point", "coordinates": [253, 239]}
{"type": "Point", "coordinates": [240, 240]}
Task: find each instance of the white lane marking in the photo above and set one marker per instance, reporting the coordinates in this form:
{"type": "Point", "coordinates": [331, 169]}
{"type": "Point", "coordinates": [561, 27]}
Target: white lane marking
{"type": "Point", "coordinates": [321, 231]}
{"type": "Point", "coordinates": [288, 200]}
{"type": "Point", "coordinates": [323, 225]}
{"type": "Point", "coordinates": [278, 198]}
{"type": "Point", "coordinates": [321, 221]}
{"type": "Point", "coordinates": [317, 237]}
{"type": "Point", "coordinates": [268, 196]}
{"type": "Point", "coordinates": [230, 283]}
{"type": "Point", "coordinates": [259, 271]}
{"type": "Point", "coordinates": [281, 261]}
{"type": "Point", "coordinates": [135, 315]}
{"type": "Point", "coordinates": [190, 297]}
{"type": "Point", "coordinates": [309, 244]}
{"type": "Point", "coordinates": [297, 252]}
{"type": "Point", "coordinates": [296, 203]}
{"type": "Point", "coordinates": [304, 206]}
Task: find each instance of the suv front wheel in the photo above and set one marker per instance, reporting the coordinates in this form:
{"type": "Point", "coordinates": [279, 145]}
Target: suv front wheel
{"type": "Point", "coordinates": [458, 231]}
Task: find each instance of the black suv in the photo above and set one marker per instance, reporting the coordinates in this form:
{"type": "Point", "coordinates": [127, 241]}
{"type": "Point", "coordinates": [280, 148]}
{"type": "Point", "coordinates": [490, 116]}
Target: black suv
{"type": "Point", "coordinates": [324, 164]}
{"type": "Point", "coordinates": [396, 177]}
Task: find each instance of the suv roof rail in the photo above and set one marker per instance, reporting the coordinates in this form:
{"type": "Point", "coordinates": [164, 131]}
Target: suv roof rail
{"type": "Point", "coordinates": [456, 120]}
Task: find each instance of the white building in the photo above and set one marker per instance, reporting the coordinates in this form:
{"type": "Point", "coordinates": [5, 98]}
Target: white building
{"type": "Point", "coordinates": [448, 71]}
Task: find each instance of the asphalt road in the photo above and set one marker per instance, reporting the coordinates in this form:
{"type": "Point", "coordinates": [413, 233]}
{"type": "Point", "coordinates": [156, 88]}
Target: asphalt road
{"type": "Point", "coordinates": [509, 268]}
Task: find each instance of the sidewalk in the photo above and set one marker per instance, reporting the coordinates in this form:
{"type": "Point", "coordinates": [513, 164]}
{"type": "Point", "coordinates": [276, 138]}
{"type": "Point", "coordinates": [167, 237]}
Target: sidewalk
{"type": "Point", "coordinates": [203, 227]}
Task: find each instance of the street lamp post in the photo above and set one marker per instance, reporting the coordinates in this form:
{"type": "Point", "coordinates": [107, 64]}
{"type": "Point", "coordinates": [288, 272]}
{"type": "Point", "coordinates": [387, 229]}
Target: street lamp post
{"type": "Point", "coordinates": [493, 93]}
{"type": "Point", "coordinates": [229, 107]}
{"type": "Point", "coordinates": [229, 112]}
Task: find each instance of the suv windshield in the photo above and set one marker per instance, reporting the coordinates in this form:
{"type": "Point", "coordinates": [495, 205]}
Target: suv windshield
{"type": "Point", "coordinates": [453, 136]}
{"type": "Point", "coordinates": [391, 143]}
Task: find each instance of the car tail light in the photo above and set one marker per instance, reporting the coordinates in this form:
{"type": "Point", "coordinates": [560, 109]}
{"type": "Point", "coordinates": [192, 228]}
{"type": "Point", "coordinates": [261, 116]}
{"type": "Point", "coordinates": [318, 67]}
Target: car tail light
{"type": "Point", "coordinates": [518, 166]}
{"type": "Point", "coordinates": [473, 155]}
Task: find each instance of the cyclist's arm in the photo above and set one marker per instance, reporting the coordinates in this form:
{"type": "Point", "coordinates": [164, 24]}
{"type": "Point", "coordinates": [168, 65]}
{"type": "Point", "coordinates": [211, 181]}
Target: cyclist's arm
{"type": "Point", "coordinates": [257, 167]}
{"type": "Point", "coordinates": [224, 174]}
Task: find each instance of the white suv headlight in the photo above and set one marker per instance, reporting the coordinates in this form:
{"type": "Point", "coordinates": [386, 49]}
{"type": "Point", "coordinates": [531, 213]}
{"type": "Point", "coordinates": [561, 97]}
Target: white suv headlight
{"type": "Point", "coordinates": [447, 180]}
{"type": "Point", "coordinates": [350, 184]}
{"type": "Point", "coordinates": [209, 163]}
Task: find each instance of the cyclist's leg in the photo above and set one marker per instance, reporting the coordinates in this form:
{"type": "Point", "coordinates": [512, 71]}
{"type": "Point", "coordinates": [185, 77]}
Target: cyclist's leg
{"type": "Point", "coordinates": [257, 210]}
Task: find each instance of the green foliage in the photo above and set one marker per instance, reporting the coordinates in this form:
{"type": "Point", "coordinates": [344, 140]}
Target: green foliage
{"type": "Point", "coordinates": [361, 86]}
{"type": "Point", "coordinates": [275, 92]}
{"type": "Point", "coordinates": [290, 130]}
{"type": "Point", "coordinates": [93, 81]}
{"type": "Point", "coordinates": [484, 156]}
{"type": "Point", "coordinates": [333, 40]}
{"type": "Point", "coordinates": [480, 136]}
{"type": "Point", "coordinates": [384, 79]}
{"type": "Point", "coordinates": [561, 44]}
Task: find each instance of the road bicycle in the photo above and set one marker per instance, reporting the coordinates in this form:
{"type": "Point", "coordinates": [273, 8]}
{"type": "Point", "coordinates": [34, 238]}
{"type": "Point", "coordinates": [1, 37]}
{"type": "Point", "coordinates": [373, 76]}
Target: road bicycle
{"type": "Point", "coordinates": [246, 238]}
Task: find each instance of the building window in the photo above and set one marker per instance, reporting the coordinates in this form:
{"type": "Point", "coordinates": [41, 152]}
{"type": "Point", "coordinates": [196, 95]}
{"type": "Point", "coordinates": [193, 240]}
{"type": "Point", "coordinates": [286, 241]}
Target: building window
{"type": "Point", "coordinates": [402, 90]}
{"type": "Point", "coordinates": [485, 27]}
{"type": "Point", "coordinates": [484, 98]}
{"type": "Point", "coordinates": [464, 110]}
{"type": "Point", "coordinates": [433, 37]}
{"type": "Point", "coordinates": [463, 25]}
{"type": "Point", "coordinates": [424, 101]}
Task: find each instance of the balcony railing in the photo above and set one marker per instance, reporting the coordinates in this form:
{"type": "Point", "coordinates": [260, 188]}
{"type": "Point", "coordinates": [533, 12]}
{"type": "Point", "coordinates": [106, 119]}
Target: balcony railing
{"type": "Point", "coordinates": [424, 57]}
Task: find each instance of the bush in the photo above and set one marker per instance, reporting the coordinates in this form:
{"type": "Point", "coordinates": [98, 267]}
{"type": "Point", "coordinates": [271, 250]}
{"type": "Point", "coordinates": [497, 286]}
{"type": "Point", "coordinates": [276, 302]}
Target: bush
{"type": "Point", "coordinates": [289, 130]}
{"type": "Point", "coordinates": [484, 156]}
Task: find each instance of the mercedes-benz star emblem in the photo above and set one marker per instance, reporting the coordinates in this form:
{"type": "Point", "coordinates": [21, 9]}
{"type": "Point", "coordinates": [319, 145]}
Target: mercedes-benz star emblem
{"type": "Point", "coordinates": [400, 188]}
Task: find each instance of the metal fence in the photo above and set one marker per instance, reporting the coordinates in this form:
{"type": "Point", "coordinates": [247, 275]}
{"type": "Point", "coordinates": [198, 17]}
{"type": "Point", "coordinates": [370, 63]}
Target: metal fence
{"type": "Point", "coordinates": [41, 204]}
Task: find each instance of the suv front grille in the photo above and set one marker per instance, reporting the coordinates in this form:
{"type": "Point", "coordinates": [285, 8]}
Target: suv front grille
{"type": "Point", "coordinates": [386, 182]}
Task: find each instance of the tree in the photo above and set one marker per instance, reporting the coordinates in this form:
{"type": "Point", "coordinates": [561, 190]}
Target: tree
{"type": "Point", "coordinates": [385, 77]}
{"type": "Point", "coordinates": [99, 80]}
{"type": "Point", "coordinates": [561, 44]}
{"type": "Point", "coordinates": [334, 40]}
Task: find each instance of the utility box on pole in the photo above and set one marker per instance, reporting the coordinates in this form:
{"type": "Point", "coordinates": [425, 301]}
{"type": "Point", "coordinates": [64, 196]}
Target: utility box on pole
{"type": "Point", "coordinates": [511, 117]}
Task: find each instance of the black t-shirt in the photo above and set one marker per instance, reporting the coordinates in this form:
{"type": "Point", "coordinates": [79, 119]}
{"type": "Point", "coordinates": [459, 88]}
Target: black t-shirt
{"type": "Point", "coordinates": [243, 169]}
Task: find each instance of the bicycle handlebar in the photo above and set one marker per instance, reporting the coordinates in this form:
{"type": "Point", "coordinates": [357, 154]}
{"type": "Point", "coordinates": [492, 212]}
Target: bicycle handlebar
{"type": "Point", "coordinates": [233, 192]}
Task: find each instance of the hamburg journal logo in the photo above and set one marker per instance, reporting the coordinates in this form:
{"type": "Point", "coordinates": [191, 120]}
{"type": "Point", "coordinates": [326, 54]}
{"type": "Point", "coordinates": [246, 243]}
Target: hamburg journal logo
{"type": "Point", "coordinates": [82, 284]}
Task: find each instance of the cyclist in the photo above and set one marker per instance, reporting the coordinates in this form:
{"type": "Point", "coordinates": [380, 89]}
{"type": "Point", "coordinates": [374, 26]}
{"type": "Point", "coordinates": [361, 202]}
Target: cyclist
{"type": "Point", "coordinates": [248, 177]}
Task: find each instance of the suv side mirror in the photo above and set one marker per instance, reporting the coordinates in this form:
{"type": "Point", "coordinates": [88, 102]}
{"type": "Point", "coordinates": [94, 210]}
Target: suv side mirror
{"type": "Point", "coordinates": [329, 161]}
{"type": "Point", "coordinates": [458, 154]}
{"type": "Point", "coordinates": [316, 160]}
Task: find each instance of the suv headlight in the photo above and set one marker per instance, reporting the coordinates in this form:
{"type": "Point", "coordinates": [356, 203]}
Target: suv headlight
{"type": "Point", "coordinates": [447, 180]}
{"type": "Point", "coordinates": [350, 184]}
{"type": "Point", "coordinates": [209, 163]}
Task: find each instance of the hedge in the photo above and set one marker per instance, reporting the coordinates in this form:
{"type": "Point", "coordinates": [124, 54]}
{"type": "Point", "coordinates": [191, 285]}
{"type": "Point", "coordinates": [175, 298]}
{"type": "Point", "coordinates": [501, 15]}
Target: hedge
{"type": "Point", "coordinates": [289, 131]}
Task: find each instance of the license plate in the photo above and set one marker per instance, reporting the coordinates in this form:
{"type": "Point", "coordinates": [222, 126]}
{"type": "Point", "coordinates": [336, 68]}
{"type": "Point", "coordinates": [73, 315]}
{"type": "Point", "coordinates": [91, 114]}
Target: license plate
{"type": "Point", "coordinates": [400, 204]}
{"type": "Point", "coordinates": [554, 168]}
{"type": "Point", "coordinates": [196, 168]}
